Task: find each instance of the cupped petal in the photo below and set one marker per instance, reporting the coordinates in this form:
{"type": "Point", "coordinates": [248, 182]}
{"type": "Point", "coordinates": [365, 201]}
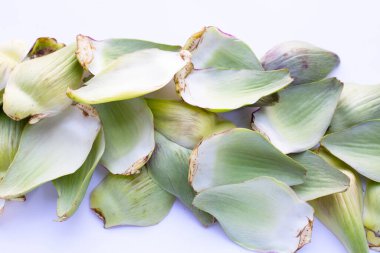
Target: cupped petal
{"type": "Point", "coordinates": [169, 168]}
{"type": "Point", "coordinates": [44, 46]}
{"type": "Point", "coordinates": [38, 87]}
{"type": "Point", "coordinates": [129, 135]}
{"type": "Point", "coordinates": [130, 200]}
{"type": "Point", "coordinates": [305, 62]}
{"type": "Point", "coordinates": [184, 124]}
{"type": "Point", "coordinates": [239, 155]}
{"type": "Point", "coordinates": [54, 147]}
{"type": "Point", "coordinates": [262, 214]}
{"type": "Point", "coordinates": [223, 73]}
{"type": "Point", "coordinates": [301, 117]}
{"type": "Point", "coordinates": [124, 69]}
{"type": "Point", "coordinates": [359, 147]}
{"type": "Point", "coordinates": [129, 76]}
{"type": "Point", "coordinates": [213, 48]}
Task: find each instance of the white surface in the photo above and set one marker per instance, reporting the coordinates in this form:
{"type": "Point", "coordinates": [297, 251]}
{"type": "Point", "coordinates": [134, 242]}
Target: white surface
{"type": "Point", "coordinates": [345, 27]}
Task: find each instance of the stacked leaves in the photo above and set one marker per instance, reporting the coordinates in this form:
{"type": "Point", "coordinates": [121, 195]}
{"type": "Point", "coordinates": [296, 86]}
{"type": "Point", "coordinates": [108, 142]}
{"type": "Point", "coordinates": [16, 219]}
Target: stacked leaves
{"type": "Point", "coordinates": [67, 109]}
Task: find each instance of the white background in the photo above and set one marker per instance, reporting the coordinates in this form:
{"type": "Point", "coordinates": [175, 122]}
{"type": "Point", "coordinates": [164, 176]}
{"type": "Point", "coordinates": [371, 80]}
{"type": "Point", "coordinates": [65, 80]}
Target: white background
{"type": "Point", "coordinates": [350, 29]}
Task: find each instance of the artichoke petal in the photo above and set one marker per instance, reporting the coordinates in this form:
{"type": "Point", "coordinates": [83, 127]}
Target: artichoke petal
{"type": "Point", "coordinates": [38, 87]}
{"type": "Point", "coordinates": [223, 73]}
{"type": "Point", "coordinates": [301, 117]}
{"type": "Point", "coordinates": [357, 104]}
{"type": "Point", "coordinates": [184, 124]}
{"type": "Point", "coordinates": [130, 200]}
{"type": "Point", "coordinates": [129, 135]}
{"type": "Point", "coordinates": [342, 212]}
{"type": "Point", "coordinates": [239, 155]}
{"type": "Point", "coordinates": [321, 178]}
{"type": "Point", "coordinates": [54, 147]}
{"type": "Point", "coordinates": [169, 168]}
{"type": "Point", "coordinates": [124, 69]}
{"type": "Point", "coordinates": [359, 147]}
{"type": "Point", "coordinates": [306, 62]}
{"type": "Point", "coordinates": [262, 214]}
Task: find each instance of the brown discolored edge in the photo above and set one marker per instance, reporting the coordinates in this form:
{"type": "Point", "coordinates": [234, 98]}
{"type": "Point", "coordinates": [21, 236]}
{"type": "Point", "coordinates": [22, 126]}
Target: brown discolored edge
{"type": "Point", "coordinates": [87, 110]}
{"type": "Point", "coordinates": [193, 162]}
{"type": "Point", "coordinates": [100, 214]}
{"type": "Point", "coordinates": [371, 245]}
{"type": "Point", "coordinates": [194, 154]}
{"type": "Point", "coordinates": [194, 40]}
{"type": "Point", "coordinates": [136, 167]}
{"type": "Point", "coordinates": [180, 77]}
{"type": "Point", "coordinates": [257, 130]}
{"type": "Point", "coordinates": [190, 45]}
{"type": "Point", "coordinates": [44, 46]}
{"type": "Point", "coordinates": [36, 118]}
{"type": "Point", "coordinates": [185, 55]}
{"type": "Point", "coordinates": [305, 234]}
{"type": "Point", "coordinates": [62, 218]}
{"type": "Point", "coordinates": [84, 52]}
{"type": "Point", "coordinates": [20, 198]}
{"type": "Point", "coordinates": [15, 118]}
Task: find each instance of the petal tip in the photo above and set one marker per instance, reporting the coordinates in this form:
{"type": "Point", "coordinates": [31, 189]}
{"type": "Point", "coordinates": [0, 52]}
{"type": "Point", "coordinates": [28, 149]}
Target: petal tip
{"type": "Point", "coordinates": [84, 52]}
{"type": "Point", "coordinates": [305, 234]}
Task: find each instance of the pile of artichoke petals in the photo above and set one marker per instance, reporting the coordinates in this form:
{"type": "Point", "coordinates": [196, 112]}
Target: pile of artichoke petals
{"type": "Point", "coordinates": [259, 146]}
